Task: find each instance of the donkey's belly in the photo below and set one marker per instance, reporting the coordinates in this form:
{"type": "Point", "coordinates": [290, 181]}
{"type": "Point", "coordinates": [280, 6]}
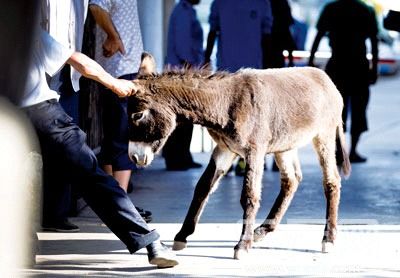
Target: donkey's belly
{"type": "Point", "coordinates": [290, 141]}
{"type": "Point", "coordinates": [231, 144]}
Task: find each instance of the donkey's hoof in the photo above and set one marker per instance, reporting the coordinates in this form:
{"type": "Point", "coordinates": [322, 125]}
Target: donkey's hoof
{"type": "Point", "coordinates": [259, 234]}
{"type": "Point", "coordinates": [240, 254]}
{"type": "Point", "coordinates": [179, 245]}
{"type": "Point", "coordinates": [327, 247]}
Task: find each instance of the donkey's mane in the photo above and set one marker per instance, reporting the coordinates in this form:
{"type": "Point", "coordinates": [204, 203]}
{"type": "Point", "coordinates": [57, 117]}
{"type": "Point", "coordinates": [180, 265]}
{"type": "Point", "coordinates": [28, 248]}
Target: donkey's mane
{"type": "Point", "coordinates": [185, 73]}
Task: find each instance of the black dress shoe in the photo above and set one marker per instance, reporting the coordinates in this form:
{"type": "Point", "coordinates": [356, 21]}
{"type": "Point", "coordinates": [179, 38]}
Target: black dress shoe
{"type": "Point", "coordinates": [62, 227]}
{"type": "Point", "coordinates": [145, 214]}
{"type": "Point", "coordinates": [195, 165]}
{"type": "Point", "coordinates": [356, 158]}
{"type": "Point", "coordinates": [160, 255]}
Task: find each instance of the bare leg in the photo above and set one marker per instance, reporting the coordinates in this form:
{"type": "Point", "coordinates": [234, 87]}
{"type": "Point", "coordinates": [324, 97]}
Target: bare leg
{"type": "Point", "coordinates": [250, 201]}
{"type": "Point", "coordinates": [123, 178]}
{"type": "Point", "coordinates": [326, 153]}
{"type": "Point", "coordinates": [219, 164]}
{"type": "Point", "coordinates": [291, 176]}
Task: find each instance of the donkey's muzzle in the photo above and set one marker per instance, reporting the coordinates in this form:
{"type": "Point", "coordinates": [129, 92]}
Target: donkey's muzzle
{"type": "Point", "coordinates": [140, 153]}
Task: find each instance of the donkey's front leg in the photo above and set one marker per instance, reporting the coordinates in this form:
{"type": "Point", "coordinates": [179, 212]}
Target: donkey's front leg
{"type": "Point", "coordinates": [250, 201]}
{"type": "Point", "coordinates": [219, 164]}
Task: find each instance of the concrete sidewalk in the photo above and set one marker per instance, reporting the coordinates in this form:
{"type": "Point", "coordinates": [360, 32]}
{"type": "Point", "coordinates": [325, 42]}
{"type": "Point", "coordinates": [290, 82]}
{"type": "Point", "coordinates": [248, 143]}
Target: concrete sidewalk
{"type": "Point", "coordinates": [293, 250]}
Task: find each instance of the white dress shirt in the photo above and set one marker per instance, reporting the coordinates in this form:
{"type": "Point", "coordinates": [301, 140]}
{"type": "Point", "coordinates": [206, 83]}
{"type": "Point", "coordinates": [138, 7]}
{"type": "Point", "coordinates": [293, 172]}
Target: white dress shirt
{"type": "Point", "coordinates": [64, 20]}
{"type": "Point", "coordinates": [48, 56]}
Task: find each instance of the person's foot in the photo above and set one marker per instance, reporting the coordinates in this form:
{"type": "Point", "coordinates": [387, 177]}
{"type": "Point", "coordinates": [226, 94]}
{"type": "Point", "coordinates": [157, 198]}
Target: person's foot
{"type": "Point", "coordinates": [160, 255]}
{"type": "Point", "coordinates": [195, 165]}
{"type": "Point", "coordinates": [61, 227]}
{"type": "Point", "coordinates": [356, 158]}
{"type": "Point", "coordinates": [145, 214]}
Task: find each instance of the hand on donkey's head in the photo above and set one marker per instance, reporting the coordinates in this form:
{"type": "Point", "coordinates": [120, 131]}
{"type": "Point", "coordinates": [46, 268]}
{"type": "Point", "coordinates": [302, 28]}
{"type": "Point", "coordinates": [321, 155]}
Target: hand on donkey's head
{"type": "Point", "coordinates": [123, 88]}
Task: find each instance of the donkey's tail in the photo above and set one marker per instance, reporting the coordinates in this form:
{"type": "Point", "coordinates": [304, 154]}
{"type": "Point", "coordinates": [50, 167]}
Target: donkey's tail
{"type": "Point", "coordinates": [342, 155]}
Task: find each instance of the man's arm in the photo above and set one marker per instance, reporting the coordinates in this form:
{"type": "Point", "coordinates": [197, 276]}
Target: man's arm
{"type": "Point", "coordinates": [91, 69]}
{"type": "Point", "coordinates": [374, 48]}
{"type": "Point", "coordinates": [374, 52]}
{"type": "Point", "coordinates": [213, 20]}
{"type": "Point", "coordinates": [113, 43]}
{"type": "Point", "coordinates": [212, 35]}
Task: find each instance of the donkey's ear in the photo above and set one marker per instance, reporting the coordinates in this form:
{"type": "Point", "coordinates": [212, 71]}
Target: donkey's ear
{"type": "Point", "coordinates": [148, 64]}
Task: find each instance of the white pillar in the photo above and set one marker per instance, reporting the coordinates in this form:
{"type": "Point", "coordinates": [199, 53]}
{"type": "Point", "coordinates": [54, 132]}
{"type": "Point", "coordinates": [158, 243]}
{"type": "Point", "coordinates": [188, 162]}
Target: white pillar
{"type": "Point", "coordinates": [154, 17]}
{"type": "Point", "coordinates": [151, 22]}
{"type": "Point", "coordinates": [20, 190]}
{"type": "Point", "coordinates": [168, 7]}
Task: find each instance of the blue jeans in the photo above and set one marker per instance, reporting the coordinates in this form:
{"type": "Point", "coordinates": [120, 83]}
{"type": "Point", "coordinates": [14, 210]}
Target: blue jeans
{"type": "Point", "coordinates": [60, 138]}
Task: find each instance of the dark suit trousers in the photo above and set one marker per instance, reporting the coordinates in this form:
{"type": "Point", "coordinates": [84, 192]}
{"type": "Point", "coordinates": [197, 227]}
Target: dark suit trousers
{"type": "Point", "coordinates": [63, 139]}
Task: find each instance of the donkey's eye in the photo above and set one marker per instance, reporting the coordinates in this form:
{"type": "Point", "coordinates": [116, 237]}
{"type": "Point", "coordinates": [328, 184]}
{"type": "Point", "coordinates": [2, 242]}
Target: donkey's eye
{"type": "Point", "coordinates": [137, 116]}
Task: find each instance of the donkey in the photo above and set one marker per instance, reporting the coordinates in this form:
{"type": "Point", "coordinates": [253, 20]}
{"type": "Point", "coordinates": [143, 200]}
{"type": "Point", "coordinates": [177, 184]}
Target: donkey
{"type": "Point", "coordinates": [248, 113]}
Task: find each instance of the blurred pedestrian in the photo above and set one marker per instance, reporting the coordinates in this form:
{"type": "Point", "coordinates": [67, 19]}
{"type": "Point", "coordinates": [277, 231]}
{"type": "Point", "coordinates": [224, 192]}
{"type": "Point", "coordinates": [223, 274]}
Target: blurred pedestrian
{"type": "Point", "coordinates": [348, 24]}
{"type": "Point", "coordinates": [281, 36]}
{"type": "Point", "coordinates": [243, 31]}
{"type": "Point", "coordinates": [184, 50]}
{"type": "Point", "coordinates": [118, 49]}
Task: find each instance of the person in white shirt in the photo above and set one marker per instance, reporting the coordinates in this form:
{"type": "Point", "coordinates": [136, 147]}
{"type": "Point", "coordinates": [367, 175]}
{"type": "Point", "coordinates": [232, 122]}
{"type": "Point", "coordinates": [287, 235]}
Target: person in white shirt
{"type": "Point", "coordinates": [59, 135]}
{"type": "Point", "coordinates": [64, 21]}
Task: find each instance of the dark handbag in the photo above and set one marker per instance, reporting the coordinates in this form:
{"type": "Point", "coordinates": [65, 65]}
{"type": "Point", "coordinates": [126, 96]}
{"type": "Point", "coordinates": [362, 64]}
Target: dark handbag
{"type": "Point", "coordinates": [392, 21]}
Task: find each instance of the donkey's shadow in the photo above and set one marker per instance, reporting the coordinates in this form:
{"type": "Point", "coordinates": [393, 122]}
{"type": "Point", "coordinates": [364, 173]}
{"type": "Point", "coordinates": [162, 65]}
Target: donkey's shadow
{"type": "Point", "coordinates": [289, 249]}
{"type": "Point", "coordinates": [198, 244]}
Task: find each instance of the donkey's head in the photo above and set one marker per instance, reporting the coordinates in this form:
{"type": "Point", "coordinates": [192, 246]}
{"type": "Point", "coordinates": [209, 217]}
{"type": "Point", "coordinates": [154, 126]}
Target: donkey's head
{"type": "Point", "coordinates": [150, 120]}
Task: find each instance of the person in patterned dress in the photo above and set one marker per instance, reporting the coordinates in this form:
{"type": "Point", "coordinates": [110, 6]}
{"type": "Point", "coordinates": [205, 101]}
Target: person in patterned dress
{"type": "Point", "coordinates": [119, 48]}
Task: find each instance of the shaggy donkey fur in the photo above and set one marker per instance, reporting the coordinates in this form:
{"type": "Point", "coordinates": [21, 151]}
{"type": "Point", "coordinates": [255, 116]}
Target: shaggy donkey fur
{"type": "Point", "coordinates": [248, 113]}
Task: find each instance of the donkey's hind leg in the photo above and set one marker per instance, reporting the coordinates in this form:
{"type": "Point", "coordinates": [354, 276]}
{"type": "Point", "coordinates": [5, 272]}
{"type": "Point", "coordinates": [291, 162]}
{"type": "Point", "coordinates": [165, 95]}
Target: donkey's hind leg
{"type": "Point", "coordinates": [219, 164]}
{"type": "Point", "coordinates": [289, 166]}
{"type": "Point", "coordinates": [325, 147]}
